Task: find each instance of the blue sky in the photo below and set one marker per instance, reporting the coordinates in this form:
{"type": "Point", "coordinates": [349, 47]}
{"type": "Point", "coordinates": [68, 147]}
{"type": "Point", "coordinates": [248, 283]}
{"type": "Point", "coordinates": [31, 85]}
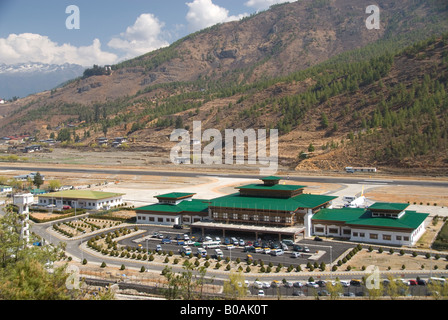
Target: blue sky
{"type": "Point", "coordinates": [110, 31]}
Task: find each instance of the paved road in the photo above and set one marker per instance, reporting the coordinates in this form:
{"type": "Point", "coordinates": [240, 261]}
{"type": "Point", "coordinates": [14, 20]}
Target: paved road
{"type": "Point", "coordinates": [349, 179]}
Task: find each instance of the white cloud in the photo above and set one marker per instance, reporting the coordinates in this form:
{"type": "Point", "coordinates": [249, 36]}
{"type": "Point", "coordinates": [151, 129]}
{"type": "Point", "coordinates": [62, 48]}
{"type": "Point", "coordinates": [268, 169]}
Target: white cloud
{"type": "Point", "coordinates": [30, 47]}
{"type": "Point", "coordinates": [264, 4]}
{"type": "Point", "coordinates": [144, 36]}
{"type": "Point", "coordinates": [204, 13]}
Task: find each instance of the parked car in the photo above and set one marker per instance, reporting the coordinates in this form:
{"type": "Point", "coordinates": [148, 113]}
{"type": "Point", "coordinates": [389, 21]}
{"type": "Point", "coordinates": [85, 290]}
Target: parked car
{"type": "Point", "coordinates": [166, 240]}
{"type": "Point", "coordinates": [321, 283]}
{"type": "Point", "coordinates": [266, 285]}
{"type": "Point", "coordinates": [258, 250]}
{"type": "Point", "coordinates": [355, 283]}
{"type": "Point", "coordinates": [349, 294]}
{"type": "Point", "coordinates": [297, 248]}
{"type": "Point", "coordinates": [241, 242]}
{"type": "Point", "coordinates": [275, 284]}
{"type": "Point", "coordinates": [412, 283]}
{"type": "Point", "coordinates": [260, 293]}
{"type": "Point", "coordinates": [230, 247]}
{"type": "Point", "coordinates": [158, 248]}
{"type": "Point", "coordinates": [298, 293]}
{"type": "Point", "coordinates": [345, 283]}
{"type": "Point", "coordinates": [289, 284]}
{"type": "Point", "coordinates": [266, 250]}
{"type": "Point", "coordinates": [298, 284]}
{"type": "Point", "coordinates": [219, 253]}
{"type": "Point", "coordinates": [288, 242]}
{"type": "Point", "coordinates": [249, 249]}
{"type": "Point", "coordinates": [296, 254]}
{"type": "Point", "coordinates": [277, 252]}
{"type": "Point", "coordinates": [258, 284]}
{"type": "Point", "coordinates": [317, 239]}
{"type": "Point", "coordinates": [66, 207]}
{"type": "Point", "coordinates": [306, 249]}
{"type": "Point", "coordinates": [312, 284]}
{"type": "Point", "coordinates": [421, 282]}
{"type": "Point", "coordinates": [178, 226]}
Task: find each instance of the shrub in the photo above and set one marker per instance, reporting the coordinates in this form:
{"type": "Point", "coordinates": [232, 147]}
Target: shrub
{"type": "Point", "coordinates": [103, 265]}
{"type": "Point", "coordinates": [122, 267]}
{"type": "Point", "coordinates": [84, 261]}
{"type": "Point", "coordinates": [142, 269]}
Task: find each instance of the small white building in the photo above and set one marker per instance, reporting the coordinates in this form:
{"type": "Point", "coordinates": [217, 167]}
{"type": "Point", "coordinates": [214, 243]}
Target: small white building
{"type": "Point", "coordinates": [82, 199]}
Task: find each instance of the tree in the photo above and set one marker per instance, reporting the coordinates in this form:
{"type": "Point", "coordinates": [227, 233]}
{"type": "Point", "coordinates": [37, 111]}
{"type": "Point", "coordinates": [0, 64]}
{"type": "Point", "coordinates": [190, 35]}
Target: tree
{"type": "Point", "coordinates": [64, 135]}
{"type": "Point", "coordinates": [54, 185]}
{"type": "Point", "coordinates": [324, 120]}
{"type": "Point", "coordinates": [235, 288]}
{"type": "Point", "coordinates": [311, 148]}
{"type": "Point", "coordinates": [38, 180]}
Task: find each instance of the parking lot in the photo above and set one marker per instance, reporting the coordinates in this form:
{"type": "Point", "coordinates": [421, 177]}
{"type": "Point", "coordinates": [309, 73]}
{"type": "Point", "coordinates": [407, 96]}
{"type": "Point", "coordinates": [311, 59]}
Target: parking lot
{"type": "Point", "coordinates": [237, 246]}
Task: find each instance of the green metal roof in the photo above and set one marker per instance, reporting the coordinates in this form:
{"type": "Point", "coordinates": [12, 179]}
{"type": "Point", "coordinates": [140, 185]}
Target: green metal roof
{"type": "Point", "coordinates": [389, 206]}
{"type": "Point", "coordinates": [271, 178]}
{"type": "Point", "coordinates": [277, 187]}
{"type": "Point", "coordinates": [82, 194]}
{"type": "Point", "coordinates": [194, 205]}
{"type": "Point", "coordinates": [290, 204]}
{"type": "Point", "coordinates": [363, 217]}
{"type": "Point", "coordinates": [175, 195]}
{"type": "Point", "coordinates": [341, 215]}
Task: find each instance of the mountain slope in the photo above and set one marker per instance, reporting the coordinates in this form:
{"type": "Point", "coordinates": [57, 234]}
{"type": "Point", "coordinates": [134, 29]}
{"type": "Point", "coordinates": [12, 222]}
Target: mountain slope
{"type": "Point", "coordinates": [283, 68]}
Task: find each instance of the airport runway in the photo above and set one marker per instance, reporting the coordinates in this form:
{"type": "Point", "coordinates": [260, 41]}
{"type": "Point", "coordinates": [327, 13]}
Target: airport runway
{"type": "Point", "coordinates": [318, 179]}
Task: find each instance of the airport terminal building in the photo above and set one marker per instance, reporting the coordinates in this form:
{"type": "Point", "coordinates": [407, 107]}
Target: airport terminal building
{"type": "Point", "coordinates": [265, 208]}
{"type": "Point", "coordinates": [284, 210]}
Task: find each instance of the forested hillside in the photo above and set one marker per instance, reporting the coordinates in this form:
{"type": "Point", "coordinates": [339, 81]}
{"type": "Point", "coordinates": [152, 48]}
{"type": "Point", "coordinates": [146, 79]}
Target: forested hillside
{"type": "Point", "coordinates": [338, 94]}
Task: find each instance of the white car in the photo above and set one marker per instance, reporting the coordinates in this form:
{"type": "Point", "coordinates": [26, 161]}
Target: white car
{"type": "Point", "coordinates": [312, 284]}
{"type": "Point", "coordinates": [258, 284]}
{"type": "Point", "coordinates": [260, 293]}
{"type": "Point", "coordinates": [345, 283]}
{"type": "Point", "coordinates": [296, 254]}
{"type": "Point", "coordinates": [230, 247]}
{"type": "Point", "coordinates": [266, 285]}
{"type": "Point", "coordinates": [289, 284]}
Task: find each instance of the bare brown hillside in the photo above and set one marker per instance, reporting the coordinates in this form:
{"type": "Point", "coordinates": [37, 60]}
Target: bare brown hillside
{"type": "Point", "coordinates": [243, 75]}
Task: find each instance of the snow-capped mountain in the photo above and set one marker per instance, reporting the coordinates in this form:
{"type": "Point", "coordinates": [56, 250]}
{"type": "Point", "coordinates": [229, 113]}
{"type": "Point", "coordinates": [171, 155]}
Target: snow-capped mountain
{"type": "Point", "coordinates": [20, 80]}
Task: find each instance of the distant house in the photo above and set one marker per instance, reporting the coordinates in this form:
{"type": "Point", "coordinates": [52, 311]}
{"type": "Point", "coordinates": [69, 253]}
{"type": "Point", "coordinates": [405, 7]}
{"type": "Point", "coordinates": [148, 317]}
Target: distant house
{"type": "Point", "coordinates": [33, 148]}
{"type": "Point", "coordinates": [5, 189]}
{"type": "Point", "coordinates": [102, 141]}
{"type": "Point", "coordinates": [24, 177]}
